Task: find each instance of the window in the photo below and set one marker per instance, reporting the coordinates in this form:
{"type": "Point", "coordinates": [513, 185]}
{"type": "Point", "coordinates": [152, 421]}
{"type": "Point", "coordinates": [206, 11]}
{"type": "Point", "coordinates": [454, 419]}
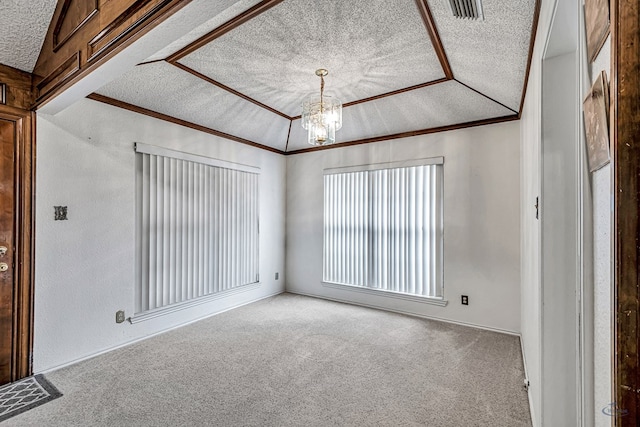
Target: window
{"type": "Point", "coordinates": [383, 227]}
{"type": "Point", "coordinates": [197, 229]}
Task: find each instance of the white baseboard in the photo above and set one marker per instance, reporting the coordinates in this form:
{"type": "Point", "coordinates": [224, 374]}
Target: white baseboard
{"type": "Point", "coordinates": [128, 343]}
{"type": "Point", "coordinates": [409, 313]}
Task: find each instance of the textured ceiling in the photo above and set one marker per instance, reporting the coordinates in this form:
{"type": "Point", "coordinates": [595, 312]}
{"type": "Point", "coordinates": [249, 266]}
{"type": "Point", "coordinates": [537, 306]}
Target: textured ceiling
{"type": "Point", "coordinates": [369, 47]}
{"type": "Point", "coordinates": [433, 106]}
{"type": "Point", "coordinates": [192, 99]}
{"type": "Point", "coordinates": [23, 28]}
{"type": "Point", "coordinates": [248, 80]}
{"type": "Point", "coordinates": [490, 55]}
{"type": "Point", "coordinates": [203, 29]}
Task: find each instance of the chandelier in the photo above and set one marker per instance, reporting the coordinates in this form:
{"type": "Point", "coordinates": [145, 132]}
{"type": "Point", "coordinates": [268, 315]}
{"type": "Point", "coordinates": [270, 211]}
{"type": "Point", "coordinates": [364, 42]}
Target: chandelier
{"type": "Point", "coordinates": [321, 115]}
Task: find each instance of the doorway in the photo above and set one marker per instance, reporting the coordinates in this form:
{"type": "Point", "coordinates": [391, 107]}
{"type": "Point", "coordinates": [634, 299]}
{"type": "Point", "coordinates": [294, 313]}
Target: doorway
{"type": "Point", "coordinates": [7, 226]}
{"type": "Point", "coordinates": [7, 203]}
{"type": "Point", "coordinates": [16, 226]}
{"type": "Point", "coordinates": [565, 230]}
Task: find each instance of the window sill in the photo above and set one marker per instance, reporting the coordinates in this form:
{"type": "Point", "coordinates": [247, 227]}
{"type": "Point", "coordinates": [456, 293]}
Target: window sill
{"type": "Point", "coordinates": [389, 294]}
{"type": "Point", "coordinates": [158, 312]}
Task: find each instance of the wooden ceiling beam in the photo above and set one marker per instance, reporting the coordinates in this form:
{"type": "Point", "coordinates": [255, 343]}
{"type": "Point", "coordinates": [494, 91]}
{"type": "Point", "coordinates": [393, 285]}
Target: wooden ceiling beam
{"type": "Point", "coordinates": [386, 94]}
{"type": "Point", "coordinates": [228, 89]}
{"type": "Point", "coordinates": [249, 14]}
{"type": "Point", "coordinates": [180, 122]}
{"type": "Point", "coordinates": [410, 134]}
{"type": "Point", "coordinates": [395, 92]}
{"type": "Point", "coordinates": [532, 42]}
{"type": "Point", "coordinates": [432, 30]}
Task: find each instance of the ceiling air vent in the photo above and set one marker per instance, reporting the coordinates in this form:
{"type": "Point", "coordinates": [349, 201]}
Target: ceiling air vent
{"type": "Point", "coordinates": [471, 9]}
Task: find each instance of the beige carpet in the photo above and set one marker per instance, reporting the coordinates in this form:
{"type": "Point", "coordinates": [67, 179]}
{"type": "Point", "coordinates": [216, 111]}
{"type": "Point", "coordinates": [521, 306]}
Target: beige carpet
{"type": "Point", "coordinates": [297, 361]}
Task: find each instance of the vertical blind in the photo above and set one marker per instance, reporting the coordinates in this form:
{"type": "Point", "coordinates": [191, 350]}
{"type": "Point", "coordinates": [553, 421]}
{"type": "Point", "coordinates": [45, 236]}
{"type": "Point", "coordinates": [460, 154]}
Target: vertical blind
{"type": "Point", "coordinates": [197, 230]}
{"type": "Point", "coordinates": [383, 228]}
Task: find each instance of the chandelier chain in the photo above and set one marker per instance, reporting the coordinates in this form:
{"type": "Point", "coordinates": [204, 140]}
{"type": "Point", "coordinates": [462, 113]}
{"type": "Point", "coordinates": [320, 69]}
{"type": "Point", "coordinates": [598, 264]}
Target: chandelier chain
{"type": "Point", "coordinates": [321, 94]}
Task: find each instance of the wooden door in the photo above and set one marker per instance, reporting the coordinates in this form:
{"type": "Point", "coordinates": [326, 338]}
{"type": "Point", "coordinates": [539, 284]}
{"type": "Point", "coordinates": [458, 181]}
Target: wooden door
{"type": "Point", "coordinates": [7, 227]}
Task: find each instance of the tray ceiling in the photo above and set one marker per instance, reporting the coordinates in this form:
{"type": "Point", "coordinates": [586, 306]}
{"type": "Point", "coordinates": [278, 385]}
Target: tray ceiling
{"type": "Point", "coordinates": [400, 67]}
{"type": "Point", "coordinates": [430, 107]}
{"type": "Point", "coordinates": [369, 47]}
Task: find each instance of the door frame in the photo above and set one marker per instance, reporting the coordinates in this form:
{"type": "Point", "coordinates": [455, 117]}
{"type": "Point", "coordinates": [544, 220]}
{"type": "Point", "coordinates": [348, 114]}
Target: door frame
{"type": "Point", "coordinates": [625, 158]}
{"type": "Point", "coordinates": [23, 295]}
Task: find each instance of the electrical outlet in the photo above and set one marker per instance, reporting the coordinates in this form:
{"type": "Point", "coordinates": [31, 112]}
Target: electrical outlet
{"type": "Point", "coordinates": [277, 276]}
{"type": "Point", "coordinates": [119, 316]}
{"type": "Point", "coordinates": [465, 300]}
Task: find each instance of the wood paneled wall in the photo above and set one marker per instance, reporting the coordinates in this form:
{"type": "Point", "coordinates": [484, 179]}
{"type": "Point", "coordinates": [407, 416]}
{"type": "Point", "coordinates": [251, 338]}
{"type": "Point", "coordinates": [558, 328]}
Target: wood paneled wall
{"type": "Point", "coordinates": [85, 33]}
{"type": "Point", "coordinates": [15, 88]}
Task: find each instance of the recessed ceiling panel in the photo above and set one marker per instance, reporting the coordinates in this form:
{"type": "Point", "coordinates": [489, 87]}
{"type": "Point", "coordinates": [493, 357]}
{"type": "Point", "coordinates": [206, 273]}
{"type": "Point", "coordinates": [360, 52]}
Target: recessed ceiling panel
{"type": "Point", "coordinates": [489, 55]}
{"type": "Point", "coordinates": [166, 89]}
{"type": "Point", "coordinates": [203, 29]}
{"type": "Point", "coordinates": [370, 47]}
{"type": "Point", "coordinates": [434, 106]}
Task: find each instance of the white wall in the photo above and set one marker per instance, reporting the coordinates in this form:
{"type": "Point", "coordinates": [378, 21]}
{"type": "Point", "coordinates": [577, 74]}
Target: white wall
{"type": "Point", "coordinates": [531, 318]}
{"type": "Point", "coordinates": [602, 215]}
{"type": "Point", "coordinates": [530, 128]}
{"type": "Point", "coordinates": [481, 222]}
{"type": "Point", "coordinates": [560, 256]}
{"type": "Point", "coordinates": [85, 265]}
{"type": "Point", "coordinates": [595, 203]}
